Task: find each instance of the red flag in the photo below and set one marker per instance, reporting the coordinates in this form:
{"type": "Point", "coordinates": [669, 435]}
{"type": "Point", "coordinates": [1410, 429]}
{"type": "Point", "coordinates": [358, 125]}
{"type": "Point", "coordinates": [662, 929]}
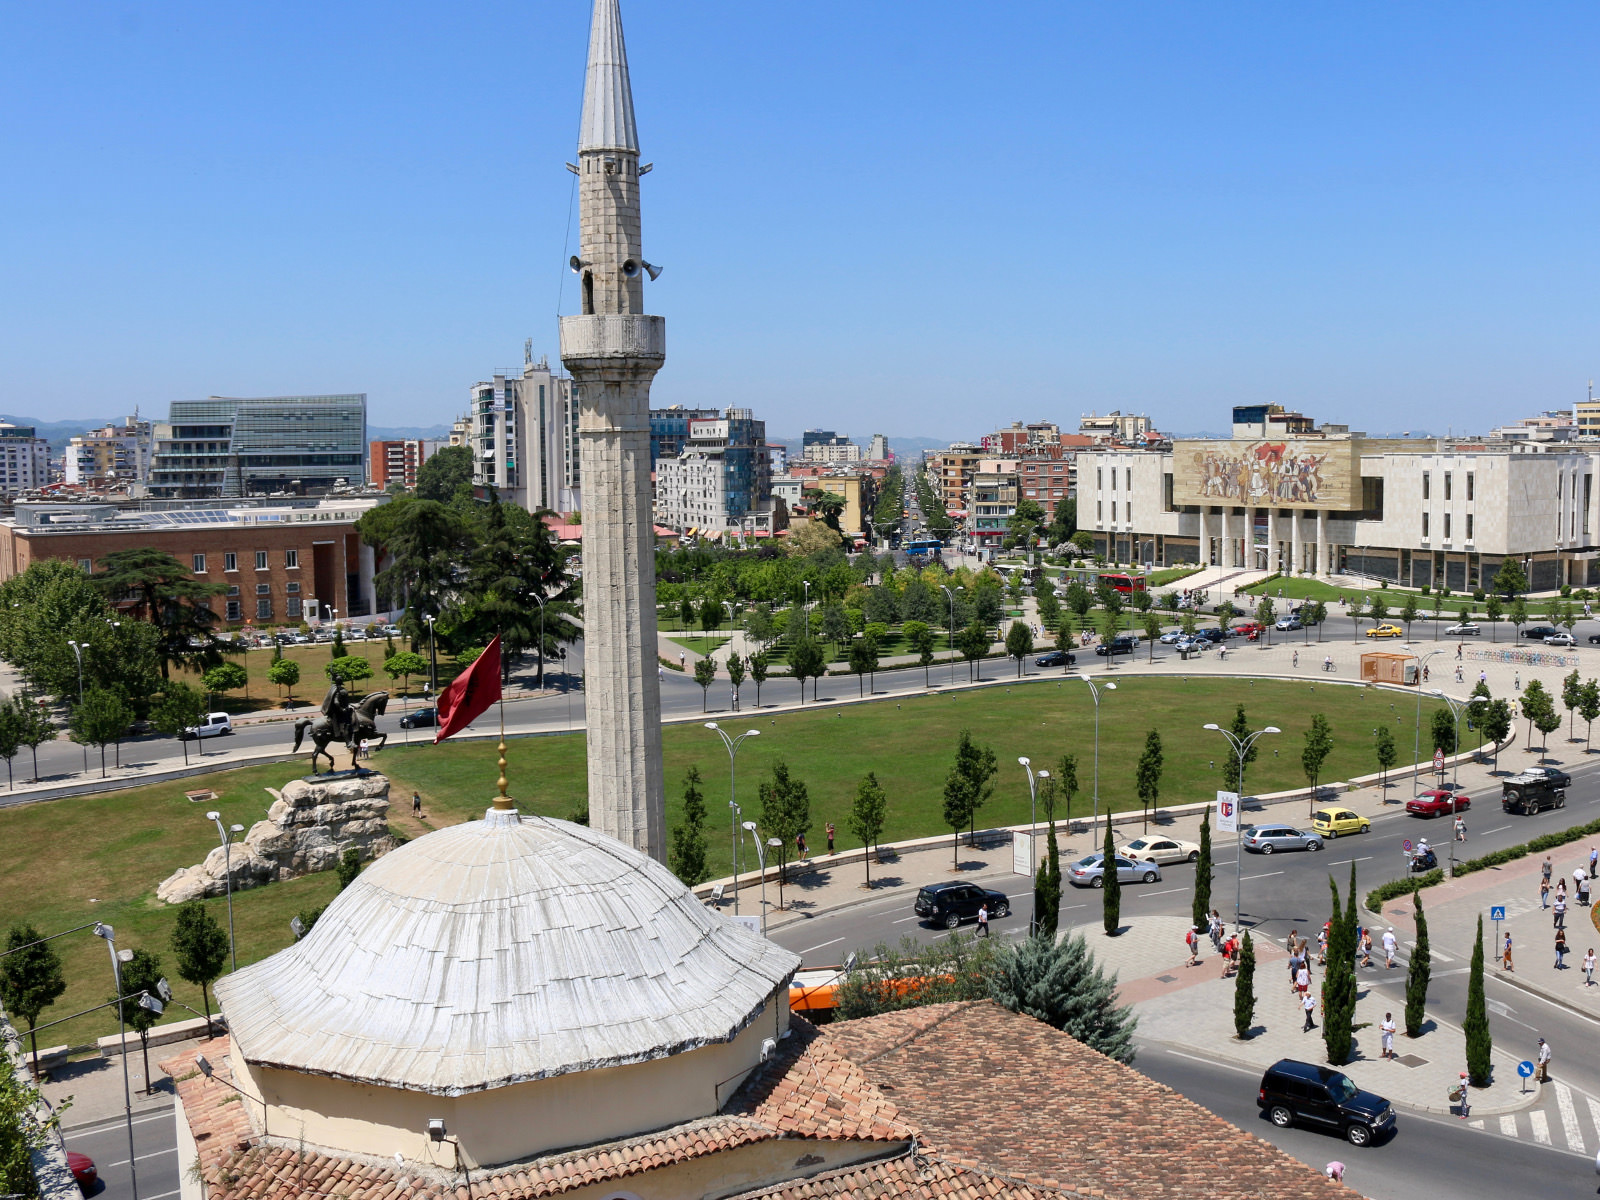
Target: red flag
{"type": "Point", "coordinates": [473, 691]}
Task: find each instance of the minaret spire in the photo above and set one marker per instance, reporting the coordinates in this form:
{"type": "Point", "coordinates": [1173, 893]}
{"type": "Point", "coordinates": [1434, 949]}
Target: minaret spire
{"type": "Point", "coordinates": [607, 94]}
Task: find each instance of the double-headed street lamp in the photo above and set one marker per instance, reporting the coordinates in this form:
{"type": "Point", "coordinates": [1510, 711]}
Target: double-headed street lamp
{"type": "Point", "coordinates": [761, 860]}
{"type": "Point", "coordinates": [1241, 749]}
{"type": "Point", "coordinates": [117, 959]}
{"type": "Point", "coordinates": [733, 743]}
{"type": "Point", "coordinates": [224, 832]}
{"type": "Point", "coordinates": [1094, 690]}
{"type": "Point", "coordinates": [539, 600]}
{"type": "Point", "coordinates": [433, 660]}
{"type": "Point", "coordinates": [1416, 749]}
{"type": "Point", "coordinates": [77, 652]}
{"type": "Point", "coordinates": [950, 643]}
{"type": "Point", "coordinates": [1033, 808]}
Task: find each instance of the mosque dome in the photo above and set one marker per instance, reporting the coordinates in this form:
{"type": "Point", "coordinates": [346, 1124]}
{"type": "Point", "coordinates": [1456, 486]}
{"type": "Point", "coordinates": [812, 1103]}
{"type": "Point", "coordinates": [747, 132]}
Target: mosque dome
{"type": "Point", "coordinates": [498, 952]}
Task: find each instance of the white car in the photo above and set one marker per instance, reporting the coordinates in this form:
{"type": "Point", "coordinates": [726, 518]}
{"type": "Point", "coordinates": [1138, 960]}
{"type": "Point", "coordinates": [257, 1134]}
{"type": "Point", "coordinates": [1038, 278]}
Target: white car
{"type": "Point", "coordinates": [1465, 629]}
{"type": "Point", "coordinates": [1559, 639]}
{"type": "Point", "coordinates": [1194, 645]}
{"type": "Point", "coordinates": [1172, 637]}
{"type": "Point", "coordinates": [215, 725]}
{"type": "Point", "coordinates": [1157, 849]}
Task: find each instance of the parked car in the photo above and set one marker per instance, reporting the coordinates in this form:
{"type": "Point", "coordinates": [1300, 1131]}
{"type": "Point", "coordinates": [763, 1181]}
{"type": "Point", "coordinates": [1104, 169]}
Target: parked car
{"type": "Point", "coordinates": [1117, 645]}
{"type": "Point", "coordinates": [1465, 629]}
{"type": "Point", "coordinates": [1160, 850]}
{"type": "Point", "coordinates": [1560, 639]}
{"type": "Point", "coordinates": [1245, 629]}
{"type": "Point", "coordinates": [1088, 871]}
{"type": "Point", "coordinates": [1172, 637]}
{"type": "Point", "coordinates": [1289, 624]}
{"type": "Point", "coordinates": [1194, 645]}
{"type": "Point", "coordinates": [949, 904]}
{"type": "Point", "coordinates": [1305, 1093]}
{"type": "Point", "coordinates": [1056, 658]}
{"type": "Point", "coordinates": [83, 1170]}
{"type": "Point", "coordinates": [1438, 803]}
{"type": "Point", "coordinates": [1211, 635]}
{"type": "Point", "coordinates": [1266, 839]}
{"type": "Point", "coordinates": [1331, 822]}
{"type": "Point", "coordinates": [1538, 633]}
{"type": "Point", "coordinates": [215, 725]}
{"type": "Point", "coordinates": [423, 718]}
{"type": "Point", "coordinates": [1594, 639]}
{"type": "Point", "coordinates": [1529, 793]}
{"type": "Point", "coordinates": [1386, 631]}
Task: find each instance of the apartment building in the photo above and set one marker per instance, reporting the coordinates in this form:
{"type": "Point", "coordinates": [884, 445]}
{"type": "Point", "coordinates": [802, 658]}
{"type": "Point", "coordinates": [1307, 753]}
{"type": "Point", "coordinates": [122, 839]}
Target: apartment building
{"type": "Point", "coordinates": [396, 461]}
{"type": "Point", "coordinates": [824, 445]}
{"type": "Point", "coordinates": [669, 429]}
{"type": "Point", "coordinates": [950, 472]}
{"type": "Point", "coordinates": [1115, 426]}
{"type": "Point", "coordinates": [720, 479]}
{"type": "Point", "coordinates": [524, 437]}
{"type": "Point", "coordinates": [113, 456]}
{"type": "Point", "coordinates": [24, 459]}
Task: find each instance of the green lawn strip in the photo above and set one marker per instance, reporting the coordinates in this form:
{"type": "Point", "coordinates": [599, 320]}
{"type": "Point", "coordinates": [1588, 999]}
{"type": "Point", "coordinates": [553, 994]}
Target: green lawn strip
{"type": "Point", "coordinates": [116, 847]}
{"type": "Point", "coordinates": [313, 678]}
{"type": "Point", "coordinates": [700, 645]}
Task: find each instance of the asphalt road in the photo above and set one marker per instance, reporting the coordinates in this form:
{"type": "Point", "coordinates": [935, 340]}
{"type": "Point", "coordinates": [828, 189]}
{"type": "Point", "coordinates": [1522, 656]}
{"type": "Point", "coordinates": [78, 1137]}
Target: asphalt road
{"type": "Point", "coordinates": [155, 1141]}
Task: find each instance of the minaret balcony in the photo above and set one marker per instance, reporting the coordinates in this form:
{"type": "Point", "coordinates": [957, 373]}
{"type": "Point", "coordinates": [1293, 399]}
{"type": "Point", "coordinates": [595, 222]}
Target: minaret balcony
{"type": "Point", "coordinates": [613, 336]}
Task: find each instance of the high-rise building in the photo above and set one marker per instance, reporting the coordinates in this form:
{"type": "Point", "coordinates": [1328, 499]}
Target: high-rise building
{"type": "Point", "coordinates": [669, 429]}
{"type": "Point", "coordinates": [878, 450]}
{"type": "Point", "coordinates": [720, 480]}
{"type": "Point", "coordinates": [24, 459]}
{"type": "Point", "coordinates": [614, 351]}
{"type": "Point", "coordinates": [824, 445]}
{"type": "Point", "coordinates": [112, 456]}
{"type": "Point", "coordinates": [525, 438]}
{"type": "Point", "coordinates": [292, 445]}
{"type": "Point", "coordinates": [396, 461]}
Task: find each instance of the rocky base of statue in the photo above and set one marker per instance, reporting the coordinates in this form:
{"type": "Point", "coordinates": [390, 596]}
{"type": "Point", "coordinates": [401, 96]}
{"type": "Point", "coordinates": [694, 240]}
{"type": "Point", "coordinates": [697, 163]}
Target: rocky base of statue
{"type": "Point", "coordinates": [311, 823]}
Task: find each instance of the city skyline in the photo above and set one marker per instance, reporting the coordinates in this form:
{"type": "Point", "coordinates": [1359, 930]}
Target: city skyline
{"type": "Point", "coordinates": [1379, 218]}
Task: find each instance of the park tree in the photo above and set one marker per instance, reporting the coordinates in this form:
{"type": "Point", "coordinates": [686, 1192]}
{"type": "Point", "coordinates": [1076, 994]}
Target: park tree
{"type": "Point", "coordinates": [835, 627]}
{"type": "Point", "coordinates": [1266, 614]}
{"type": "Point", "coordinates": [1060, 984]}
{"type": "Point", "coordinates": [919, 634]}
{"type": "Point", "coordinates": [868, 812]}
{"type": "Point", "coordinates": [1048, 606]}
{"type": "Point", "coordinates": [425, 542]}
{"type": "Point", "coordinates": [705, 672]}
{"type": "Point", "coordinates": [736, 671]}
{"type": "Point", "coordinates": [1066, 641]}
{"type": "Point", "coordinates": [1244, 990]}
{"type": "Point", "coordinates": [686, 611]}
{"type": "Point", "coordinates": [1537, 707]}
{"type": "Point", "coordinates": [1492, 610]}
{"type": "Point", "coordinates": [285, 672]}
{"type": "Point", "coordinates": [226, 677]}
{"type": "Point", "coordinates": [689, 834]}
{"type": "Point", "coordinates": [1227, 613]}
{"type": "Point", "coordinates": [31, 980]}
{"type": "Point", "coordinates": [1377, 609]}
{"type": "Point", "coordinates": [1066, 778]}
{"type": "Point", "coordinates": [759, 663]}
{"type": "Point", "coordinates": [973, 642]}
{"type": "Point", "coordinates": [1047, 880]}
{"type": "Point", "coordinates": [1200, 910]}
{"type": "Point", "coordinates": [1442, 731]}
{"type": "Point", "coordinates": [1571, 697]}
{"type": "Point", "coordinates": [140, 976]}
{"type": "Point", "coordinates": [1231, 775]}
{"type": "Point", "coordinates": [1588, 709]}
{"type": "Point", "coordinates": [1417, 972]}
{"type": "Point", "coordinates": [34, 728]}
{"type": "Point", "coordinates": [1480, 1046]}
{"type": "Point", "coordinates": [1151, 628]}
{"type": "Point", "coordinates": [1518, 612]}
{"type": "Point", "coordinates": [179, 710]}
{"type": "Point", "coordinates": [101, 719]}
{"type": "Point", "coordinates": [1079, 600]}
{"type": "Point", "coordinates": [1383, 746]}
{"type": "Point", "coordinates": [1497, 726]}
{"type": "Point", "coordinates": [1111, 886]}
{"type": "Point", "coordinates": [1437, 608]}
{"type": "Point", "coordinates": [805, 662]}
{"type": "Point", "coordinates": [200, 946]}
{"type": "Point", "coordinates": [1478, 708]}
{"type": "Point", "coordinates": [758, 624]}
{"type": "Point", "coordinates": [1147, 778]}
{"type": "Point", "coordinates": [349, 668]}
{"type": "Point", "coordinates": [862, 659]}
{"type": "Point", "coordinates": [1510, 580]}
{"type": "Point", "coordinates": [402, 666]}
{"type": "Point", "coordinates": [1409, 611]}
{"type": "Point", "coordinates": [10, 736]}
{"type": "Point", "coordinates": [444, 471]}
{"type": "Point", "coordinates": [152, 586]}
{"type": "Point", "coordinates": [1019, 643]}
{"type": "Point", "coordinates": [785, 814]}
{"type": "Point", "coordinates": [1319, 744]}
{"type": "Point", "coordinates": [712, 615]}
{"type": "Point", "coordinates": [967, 788]}
{"type": "Point", "coordinates": [1314, 613]}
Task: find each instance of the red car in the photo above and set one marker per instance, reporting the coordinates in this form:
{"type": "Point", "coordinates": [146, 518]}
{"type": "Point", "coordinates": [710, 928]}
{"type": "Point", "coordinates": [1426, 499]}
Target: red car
{"type": "Point", "coordinates": [1438, 804]}
{"type": "Point", "coordinates": [83, 1170]}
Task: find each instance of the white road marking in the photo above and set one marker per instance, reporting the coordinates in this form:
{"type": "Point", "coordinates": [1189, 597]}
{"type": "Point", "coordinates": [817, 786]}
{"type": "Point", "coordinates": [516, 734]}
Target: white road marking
{"type": "Point", "coordinates": [1266, 874]}
{"type": "Point", "coordinates": [1496, 829]}
{"type": "Point", "coordinates": [1479, 1124]}
{"type": "Point", "coordinates": [1508, 1125]}
{"type": "Point", "coordinates": [820, 945]}
{"type": "Point", "coordinates": [1594, 1111]}
{"type": "Point", "coordinates": [165, 1114]}
{"type": "Point", "coordinates": [152, 1154]}
{"type": "Point", "coordinates": [1436, 956]}
{"type": "Point", "coordinates": [1163, 892]}
{"type": "Point", "coordinates": [1211, 1063]}
{"type": "Point", "coordinates": [1541, 1128]}
{"type": "Point", "coordinates": [1569, 1117]}
{"type": "Point", "coordinates": [903, 920]}
{"type": "Point", "coordinates": [164, 1195]}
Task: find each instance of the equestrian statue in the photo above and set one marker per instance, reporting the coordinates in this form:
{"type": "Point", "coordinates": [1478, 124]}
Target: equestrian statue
{"type": "Point", "coordinates": [344, 721]}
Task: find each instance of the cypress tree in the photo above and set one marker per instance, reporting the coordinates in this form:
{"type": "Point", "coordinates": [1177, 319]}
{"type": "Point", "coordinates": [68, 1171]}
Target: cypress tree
{"type": "Point", "coordinates": [689, 836]}
{"type": "Point", "coordinates": [1202, 873]}
{"type": "Point", "coordinates": [1047, 887]}
{"type": "Point", "coordinates": [1339, 980]}
{"type": "Point", "coordinates": [1417, 975]}
{"type": "Point", "coordinates": [1111, 893]}
{"type": "Point", "coordinates": [1244, 990]}
{"type": "Point", "coordinates": [1479, 1044]}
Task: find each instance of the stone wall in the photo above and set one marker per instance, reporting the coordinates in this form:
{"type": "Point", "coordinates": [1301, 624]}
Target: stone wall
{"type": "Point", "coordinates": [309, 826]}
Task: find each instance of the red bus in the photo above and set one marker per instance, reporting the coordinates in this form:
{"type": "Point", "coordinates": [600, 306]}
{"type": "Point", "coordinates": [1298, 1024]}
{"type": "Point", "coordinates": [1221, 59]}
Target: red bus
{"type": "Point", "coordinates": [1126, 584]}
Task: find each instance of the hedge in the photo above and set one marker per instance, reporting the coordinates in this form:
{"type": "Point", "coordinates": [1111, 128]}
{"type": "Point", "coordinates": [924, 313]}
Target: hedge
{"type": "Point", "coordinates": [1549, 841]}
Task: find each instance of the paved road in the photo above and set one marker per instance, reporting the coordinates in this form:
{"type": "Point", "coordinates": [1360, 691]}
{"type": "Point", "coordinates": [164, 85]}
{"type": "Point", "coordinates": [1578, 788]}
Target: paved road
{"type": "Point", "coordinates": [155, 1141]}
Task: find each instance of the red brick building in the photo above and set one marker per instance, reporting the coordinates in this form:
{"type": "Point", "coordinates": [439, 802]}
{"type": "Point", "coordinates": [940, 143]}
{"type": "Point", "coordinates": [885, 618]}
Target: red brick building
{"type": "Point", "coordinates": [396, 461]}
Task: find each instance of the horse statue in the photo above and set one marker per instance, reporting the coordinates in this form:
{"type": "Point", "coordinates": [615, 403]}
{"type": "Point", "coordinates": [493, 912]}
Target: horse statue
{"type": "Point", "coordinates": [344, 722]}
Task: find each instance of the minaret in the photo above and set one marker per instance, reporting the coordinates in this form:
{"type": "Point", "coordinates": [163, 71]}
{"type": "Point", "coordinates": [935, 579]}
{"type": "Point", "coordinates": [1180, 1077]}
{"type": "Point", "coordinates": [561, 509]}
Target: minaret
{"type": "Point", "coordinates": [613, 351]}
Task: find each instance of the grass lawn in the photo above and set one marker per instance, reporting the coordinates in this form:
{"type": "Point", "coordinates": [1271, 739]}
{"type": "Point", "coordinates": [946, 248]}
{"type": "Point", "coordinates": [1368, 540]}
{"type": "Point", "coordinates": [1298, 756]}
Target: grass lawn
{"type": "Point", "coordinates": [313, 678]}
{"type": "Point", "coordinates": [100, 857]}
{"type": "Point", "coordinates": [1168, 576]}
{"type": "Point", "coordinates": [700, 645]}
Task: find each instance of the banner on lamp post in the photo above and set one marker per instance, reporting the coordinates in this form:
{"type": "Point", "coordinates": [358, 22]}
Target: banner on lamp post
{"type": "Point", "coordinates": [1227, 812]}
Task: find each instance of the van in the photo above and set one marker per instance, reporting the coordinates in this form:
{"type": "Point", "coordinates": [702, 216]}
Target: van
{"type": "Point", "coordinates": [215, 725]}
{"type": "Point", "coordinates": [1308, 1094]}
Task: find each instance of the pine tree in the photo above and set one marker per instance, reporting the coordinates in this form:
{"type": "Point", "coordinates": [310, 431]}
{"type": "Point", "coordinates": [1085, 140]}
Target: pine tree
{"type": "Point", "coordinates": [1480, 1046]}
{"type": "Point", "coordinates": [1047, 884]}
{"type": "Point", "coordinates": [689, 835]}
{"type": "Point", "coordinates": [1339, 980]}
{"type": "Point", "coordinates": [1111, 891]}
{"type": "Point", "coordinates": [1417, 974]}
{"type": "Point", "coordinates": [1202, 873]}
{"type": "Point", "coordinates": [1244, 990]}
{"type": "Point", "coordinates": [1060, 984]}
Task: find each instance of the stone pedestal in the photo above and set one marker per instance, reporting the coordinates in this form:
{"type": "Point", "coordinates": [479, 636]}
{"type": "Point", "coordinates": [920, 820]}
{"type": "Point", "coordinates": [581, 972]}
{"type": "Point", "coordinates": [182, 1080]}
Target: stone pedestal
{"type": "Point", "coordinates": [308, 828]}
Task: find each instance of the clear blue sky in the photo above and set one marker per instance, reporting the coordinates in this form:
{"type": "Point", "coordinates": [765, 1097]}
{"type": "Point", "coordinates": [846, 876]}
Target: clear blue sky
{"type": "Point", "coordinates": [920, 218]}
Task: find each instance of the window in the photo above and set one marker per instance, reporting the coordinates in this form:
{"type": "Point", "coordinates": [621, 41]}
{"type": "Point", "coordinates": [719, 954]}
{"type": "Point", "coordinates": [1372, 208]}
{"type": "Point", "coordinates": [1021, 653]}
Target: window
{"type": "Point", "coordinates": [1447, 522]}
{"type": "Point", "coordinates": [261, 560]}
{"type": "Point", "coordinates": [1425, 486]}
{"type": "Point", "coordinates": [1424, 521]}
{"type": "Point", "coordinates": [1127, 511]}
{"type": "Point", "coordinates": [264, 610]}
{"type": "Point", "coordinates": [233, 611]}
{"type": "Point", "coordinates": [1469, 522]}
{"type": "Point", "coordinates": [1469, 485]}
{"type": "Point", "coordinates": [1128, 477]}
{"type": "Point", "coordinates": [293, 606]}
{"type": "Point", "coordinates": [1100, 477]}
{"type": "Point", "coordinates": [291, 558]}
{"type": "Point", "coordinates": [263, 589]}
{"type": "Point", "coordinates": [1099, 510]}
{"type": "Point", "coordinates": [1447, 492]}
{"type": "Point", "coordinates": [1113, 512]}
{"type": "Point", "coordinates": [86, 565]}
{"type": "Point", "coordinates": [292, 588]}
{"type": "Point", "coordinates": [233, 590]}
{"type": "Point", "coordinates": [230, 561]}
{"type": "Point", "coordinates": [199, 564]}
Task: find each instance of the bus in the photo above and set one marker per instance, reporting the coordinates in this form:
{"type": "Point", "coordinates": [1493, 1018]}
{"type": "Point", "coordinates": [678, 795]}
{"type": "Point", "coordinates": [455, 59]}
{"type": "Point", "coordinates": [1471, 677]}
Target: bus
{"type": "Point", "coordinates": [926, 546]}
{"type": "Point", "coordinates": [1126, 584]}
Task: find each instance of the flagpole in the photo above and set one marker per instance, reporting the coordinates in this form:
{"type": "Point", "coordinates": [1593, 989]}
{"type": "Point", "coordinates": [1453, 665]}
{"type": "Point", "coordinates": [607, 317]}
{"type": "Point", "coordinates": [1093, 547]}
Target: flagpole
{"type": "Point", "coordinates": [503, 800]}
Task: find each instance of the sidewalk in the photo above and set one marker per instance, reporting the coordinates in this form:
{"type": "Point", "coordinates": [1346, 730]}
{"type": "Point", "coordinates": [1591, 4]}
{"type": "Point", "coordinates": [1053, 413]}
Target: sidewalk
{"type": "Point", "coordinates": [95, 1085]}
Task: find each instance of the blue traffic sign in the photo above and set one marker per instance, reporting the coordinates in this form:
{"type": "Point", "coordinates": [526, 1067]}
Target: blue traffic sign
{"type": "Point", "coordinates": [1497, 912]}
{"type": "Point", "coordinates": [1525, 1068]}
{"type": "Point", "coordinates": [1406, 845]}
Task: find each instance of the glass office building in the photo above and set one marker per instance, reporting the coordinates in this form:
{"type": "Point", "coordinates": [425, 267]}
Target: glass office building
{"type": "Point", "coordinates": [272, 445]}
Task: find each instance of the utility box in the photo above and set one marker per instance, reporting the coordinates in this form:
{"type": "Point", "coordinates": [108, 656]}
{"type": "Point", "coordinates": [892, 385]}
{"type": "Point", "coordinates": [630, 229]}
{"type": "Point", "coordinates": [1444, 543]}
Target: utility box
{"type": "Point", "coordinates": [1381, 666]}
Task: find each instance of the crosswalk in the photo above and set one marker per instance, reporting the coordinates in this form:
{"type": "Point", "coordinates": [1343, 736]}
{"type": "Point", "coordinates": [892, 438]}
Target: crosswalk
{"type": "Point", "coordinates": [1565, 1119]}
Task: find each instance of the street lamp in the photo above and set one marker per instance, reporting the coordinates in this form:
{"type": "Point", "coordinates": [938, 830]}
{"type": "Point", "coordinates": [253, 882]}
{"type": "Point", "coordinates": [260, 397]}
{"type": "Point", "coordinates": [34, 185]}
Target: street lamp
{"type": "Point", "coordinates": [1033, 808]}
{"type": "Point", "coordinates": [433, 661]}
{"type": "Point", "coordinates": [1416, 748]}
{"type": "Point", "coordinates": [539, 600]}
{"type": "Point", "coordinates": [77, 652]}
{"type": "Point", "coordinates": [1094, 690]}
{"type": "Point", "coordinates": [733, 744]}
{"type": "Point", "coordinates": [761, 860]}
{"type": "Point", "coordinates": [951, 643]}
{"type": "Point", "coordinates": [1456, 707]}
{"type": "Point", "coordinates": [109, 934]}
{"type": "Point", "coordinates": [227, 860]}
{"type": "Point", "coordinates": [1241, 748]}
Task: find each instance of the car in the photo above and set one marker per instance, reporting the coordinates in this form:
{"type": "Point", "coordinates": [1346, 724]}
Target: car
{"type": "Point", "coordinates": [1557, 778]}
{"type": "Point", "coordinates": [1117, 645]}
{"type": "Point", "coordinates": [1464, 629]}
{"type": "Point", "coordinates": [1560, 639]}
{"type": "Point", "coordinates": [1529, 793]}
{"type": "Point", "coordinates": [1245, 629]}
{"type": "Point", "coordinates": [1594, 639]}
{"type": "Point", "coordinates": [83, 1170]}
{"type": "Point", "coordinates": [1267, 839]}
{"type": "Point", "coordinates": [1088, 871]}
{"type": "Point", "coordinates": [1288, 624]}
{"type": "Point", "coordinates": [949, 904]}
{"type": "Point", "coordinates": [423, 718]}
{"type": "Point", "coordinates": [1538, 633]}
{"type": "Point", "coordinates": [215, 725]}
{"type": "Point", "coordinates": [1159, 850]}
{"type": "Point", "coordinates": [1193, 645]}
{"type": "Point", "coordinates": [1294, 1092]}
{"type": "Point", "coordinates": [1172, 637]}
{"type": "Point", "coordinates": [1331, 822]}
{"type": "Point", "coordinates": [1211, 635]}
{"type": "Point", "coordinates": [1056, 658]}
{"type": "Point", "coordinates": [1437, 803]}
{"type": "Point", "coordinates": [1385, 631]}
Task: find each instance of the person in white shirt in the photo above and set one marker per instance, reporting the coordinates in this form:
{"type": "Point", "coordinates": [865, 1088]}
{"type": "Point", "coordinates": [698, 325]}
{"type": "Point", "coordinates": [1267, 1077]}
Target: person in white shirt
{"type": "Point", "coordinates": [1389, 946]}
{"type": "Point", "coordinates": [1387, 1029]}
{"type": "Point", "coordinates": [1588, 968]}
{"type": "Point", "coordinates": [1544, 1061]}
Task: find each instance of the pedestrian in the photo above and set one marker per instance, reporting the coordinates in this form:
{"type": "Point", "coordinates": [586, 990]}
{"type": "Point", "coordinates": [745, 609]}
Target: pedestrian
{"type": "Point", "coordinates": [1216, 929]}
{"type": "Point", "coordinates": [1588, 968]}
{"type": "Point", "coordinates": [1458, 656]}
{"type": "Point", "coordinates": [1583, 892]}
{"type": "Point", "coordinates": [1297, 660]}
{"type": "Point", "coordinates": [366, 748]}
{"type": "Point", "coordinates": [1544, 893]}
{"type": "Point", "coordinates": [416, 804]}
{"type": "Point", "coordinates": [1366, 948]}
{"type": "Point", "coordinates": [1461, 828]}
{"type": "Point", "coordinates": [1389, 945]}
{"type": "Point", "coordinates": [800, 845]}
{"type": "Point", "coordinates": [1594, 861]}
{"type": "Point", "coordinates": [1191, 939]}
{"type": "Point", "coordinates": [1309, 1004]}
{"type": "Point", "coordinates": [1229, 949]}
{"type": "Point", "coordinates": [1460, 1096]}
{"type": "Point", "coordinates": [1458, 673]}
{"type": "Point", "coordinates": [1516, 681]}
{"type": "Point", "coordinates": [1560, 909]}
{"type": "Point", "coordinates": [682, 660]}
{"type": "Point", "coordinates": [1543, 1060]}
{"type": "Point", "coordinates": [1561, 949]}
{"type": "Point", "coordinates": [1387, 1029]}
{"type": "Point", "coordinates": [1505, 955]}
{"type": "Point", "coordinates": [1335, 1170]}
{"type": "Point", "coordinates": [1322, 946]}
{"type": "Point", "coordinates": [1302, 980]}
{"type": "Point", "coordinates": [1544, 868]}
{"type": "Point", "coordinates": [1483, 677]}
{"type": "Point", "coordinates": [1424, 672]}
{"type": "Point", "coordinates": [983, 920]}
{"type": "Point", "coordinates": [829, 829]}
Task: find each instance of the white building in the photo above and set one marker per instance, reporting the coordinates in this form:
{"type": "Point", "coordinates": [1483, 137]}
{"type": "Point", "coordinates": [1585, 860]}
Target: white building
{"type": "Point", "coordinates": [878, 449]}
{"type": "Point", "coordinates": [24, 459]}
{"type": "Point", "coordinates": [720, 480]}
{"type": "Point", "coordinates": [112, 456]}
{"type": "Point", "coordinates": [524, 437]}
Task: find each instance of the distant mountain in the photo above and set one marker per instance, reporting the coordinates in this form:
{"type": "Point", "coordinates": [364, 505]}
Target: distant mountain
{"type": "Point", "coordinates": [401, 433]}
{"type": "Point", "coordinates": [57, 433]}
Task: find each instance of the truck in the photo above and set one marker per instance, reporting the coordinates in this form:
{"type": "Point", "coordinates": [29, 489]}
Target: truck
{"type": "Point", "coordinates": [1530, 793]}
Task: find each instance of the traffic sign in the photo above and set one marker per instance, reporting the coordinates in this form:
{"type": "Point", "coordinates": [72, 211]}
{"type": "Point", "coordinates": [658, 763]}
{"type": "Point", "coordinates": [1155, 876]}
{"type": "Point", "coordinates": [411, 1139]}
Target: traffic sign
{"type": "Point", "coordinates": [1497, 912]}
{"type": "Point", "coordinates": [1406, 845]}
{"type": "Point", "coordinates": [1525, 1068]}
{"type": "Point", "coordinates": [1438, 760]}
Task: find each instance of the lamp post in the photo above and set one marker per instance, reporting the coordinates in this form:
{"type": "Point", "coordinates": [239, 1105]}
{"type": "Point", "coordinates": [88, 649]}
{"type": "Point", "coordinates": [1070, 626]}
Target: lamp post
{"type": "Point", "coordinates": [109, 934]}
{"type": "Point", "coordinates": [1033, 809]}
{"type": "Point", "coordinates": [950, 643]}
{"type": "Point", "coordinates": [1241, 748]}
{"type": "Point", "coordinates": [539, 600]}
{"type": "Point", "coordinates": [1456, 707]}
{"type": "Point", "coordinates": [733, 743]}
{"type": "Point", "coordinates": [433, 661]}
{"type": "Point", "coordinates": [1416, 749]}
{"type": "Point", "coordinates": [223, 832]}
{"type": "Point", "coordinates": [77, 652]}
{"type": "Point", "coordinates": [761, 859]}
{"type": "Point", "coordinates": [1094, 690]}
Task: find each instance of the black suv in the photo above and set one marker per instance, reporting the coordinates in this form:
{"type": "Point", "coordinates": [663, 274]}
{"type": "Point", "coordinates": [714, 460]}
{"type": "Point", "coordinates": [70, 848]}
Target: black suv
{"type": "Point", "coordinates": [1118, 645]}
{"type": "Point", "coordinates": [1056, 658]}
{"type": "Point", "coordinates": [1321, 1096]}
{"type": "Point", "coordinates": [949, 904]}
{"type": "Point", "coordinates": [1538, 633]}
{"type": "Point", "coordinates": [1530, 793]}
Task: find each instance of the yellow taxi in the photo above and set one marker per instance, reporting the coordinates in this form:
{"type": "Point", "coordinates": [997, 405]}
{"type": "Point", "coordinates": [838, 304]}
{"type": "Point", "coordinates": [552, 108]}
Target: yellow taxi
{"type": "Point", "coordinates": [1331, 822]}
{"type": "Point", "coordinates": [1386, 631]}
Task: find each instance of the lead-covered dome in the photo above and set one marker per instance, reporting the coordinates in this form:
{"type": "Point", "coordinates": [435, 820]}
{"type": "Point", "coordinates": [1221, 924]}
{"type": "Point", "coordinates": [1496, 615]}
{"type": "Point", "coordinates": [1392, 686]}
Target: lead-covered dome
{"type": "Point", "coordinates": [500, 951]}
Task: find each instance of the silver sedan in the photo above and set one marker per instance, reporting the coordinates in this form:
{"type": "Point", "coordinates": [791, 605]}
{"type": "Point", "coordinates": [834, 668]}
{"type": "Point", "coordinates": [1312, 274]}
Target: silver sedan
{"type": "Point", "coordinates": [1088, 871]}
